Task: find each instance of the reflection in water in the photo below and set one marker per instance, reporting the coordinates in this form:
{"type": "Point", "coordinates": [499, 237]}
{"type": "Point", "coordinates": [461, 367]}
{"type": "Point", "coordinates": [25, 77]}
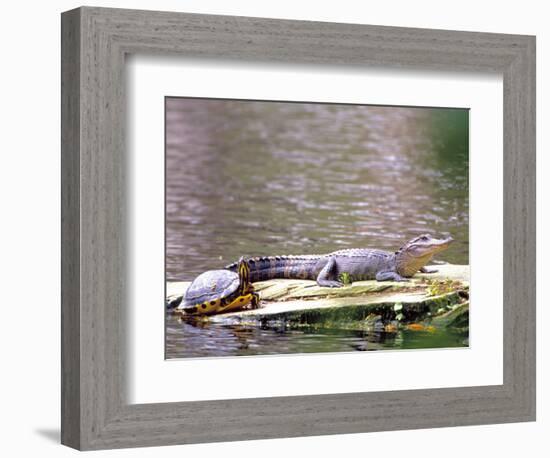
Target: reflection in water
{"type": "Point", "coordinates": [251, 178]}
{"type": "Point", "coordinates": [265, 178]}
{"type": "Point", "coordinates": [187, 340]}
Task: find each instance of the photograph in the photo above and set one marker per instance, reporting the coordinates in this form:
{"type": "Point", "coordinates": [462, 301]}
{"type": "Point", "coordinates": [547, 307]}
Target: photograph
{"type": "Point", "coordinates": [299, 227]}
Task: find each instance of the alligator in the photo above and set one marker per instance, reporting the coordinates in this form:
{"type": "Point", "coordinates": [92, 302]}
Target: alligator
{"type": "Point", "coordinates": [356, 263]}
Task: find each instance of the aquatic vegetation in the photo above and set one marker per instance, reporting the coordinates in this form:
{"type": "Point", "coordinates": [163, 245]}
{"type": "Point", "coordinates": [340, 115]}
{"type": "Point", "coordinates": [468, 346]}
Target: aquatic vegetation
{"type": "Point", "coordinates": [345, 278]}
{"type": "Point", "coordinates": [437, 287]}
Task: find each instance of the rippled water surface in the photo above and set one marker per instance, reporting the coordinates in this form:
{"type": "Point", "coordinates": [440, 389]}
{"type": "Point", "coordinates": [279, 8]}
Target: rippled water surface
{"type": "Point", "coordinates": [259, 178]}
{"type": "Point", "coordinates": [272, 178]}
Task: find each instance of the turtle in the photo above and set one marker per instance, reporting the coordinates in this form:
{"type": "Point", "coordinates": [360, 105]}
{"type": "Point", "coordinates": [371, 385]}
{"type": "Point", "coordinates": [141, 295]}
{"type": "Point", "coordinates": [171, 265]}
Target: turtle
{"type": "Point", "coordinates": [220, 291]}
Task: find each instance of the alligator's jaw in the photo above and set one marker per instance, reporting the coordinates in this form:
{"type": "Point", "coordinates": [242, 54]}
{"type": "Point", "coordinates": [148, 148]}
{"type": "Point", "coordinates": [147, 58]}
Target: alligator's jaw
{"type": "Point", "coordinates": [416, 253]}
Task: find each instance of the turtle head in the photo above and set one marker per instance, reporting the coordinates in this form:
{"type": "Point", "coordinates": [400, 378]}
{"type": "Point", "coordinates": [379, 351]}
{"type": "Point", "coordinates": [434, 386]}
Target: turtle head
{"type": "Point", "coordinates": [244, 275]}
{"type": "Point", "coordinates": [416, 253]}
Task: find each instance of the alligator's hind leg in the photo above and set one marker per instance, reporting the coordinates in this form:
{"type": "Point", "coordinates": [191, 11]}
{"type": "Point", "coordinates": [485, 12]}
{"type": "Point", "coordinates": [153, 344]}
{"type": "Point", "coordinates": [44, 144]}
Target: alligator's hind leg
{"type": "Point", "coordinates": [327, 274]}
{"type": "Point", "coordinates": [389, 275]}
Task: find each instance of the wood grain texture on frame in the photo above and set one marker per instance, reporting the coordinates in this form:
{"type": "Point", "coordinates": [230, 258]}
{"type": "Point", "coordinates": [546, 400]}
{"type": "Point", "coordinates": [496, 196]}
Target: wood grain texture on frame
{"type": "Point", "coordinates": [95, 412]}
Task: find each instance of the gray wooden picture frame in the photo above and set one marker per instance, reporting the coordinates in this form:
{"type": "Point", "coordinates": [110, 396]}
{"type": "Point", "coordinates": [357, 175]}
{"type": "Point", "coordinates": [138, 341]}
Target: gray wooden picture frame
{"type": "Point", "coordinates": [95, 412]}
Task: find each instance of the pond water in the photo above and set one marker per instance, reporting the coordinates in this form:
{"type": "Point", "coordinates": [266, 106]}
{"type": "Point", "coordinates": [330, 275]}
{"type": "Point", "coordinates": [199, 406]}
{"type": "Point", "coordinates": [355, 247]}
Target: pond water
{"type": "Point", "coordinates": [271, 178]}
{"type": "Point", "coordinates": [185, 340]}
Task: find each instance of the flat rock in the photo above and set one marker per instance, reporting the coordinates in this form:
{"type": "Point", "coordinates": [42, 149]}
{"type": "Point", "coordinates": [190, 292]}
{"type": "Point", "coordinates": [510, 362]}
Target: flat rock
{"type": "Point", "coordinates": [440, 298]}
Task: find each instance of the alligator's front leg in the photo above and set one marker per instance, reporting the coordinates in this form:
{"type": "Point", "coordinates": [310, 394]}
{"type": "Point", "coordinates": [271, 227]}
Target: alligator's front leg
{"type": "Point", "coordinates": [389, 275]}
{"type": "Point", "coordinates": [425, 270]}
{"type": "Point", "coordinates": [326, 276]}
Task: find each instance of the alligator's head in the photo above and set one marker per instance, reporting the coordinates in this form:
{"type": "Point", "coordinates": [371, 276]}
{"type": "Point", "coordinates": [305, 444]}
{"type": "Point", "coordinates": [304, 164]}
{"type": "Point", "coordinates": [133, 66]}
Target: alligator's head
{"type": "Point", "coordinates": [416, 253]}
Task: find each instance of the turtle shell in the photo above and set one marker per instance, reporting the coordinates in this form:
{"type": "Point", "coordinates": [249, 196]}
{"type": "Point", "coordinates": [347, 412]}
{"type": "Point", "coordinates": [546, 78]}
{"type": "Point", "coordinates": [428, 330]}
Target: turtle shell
{"type": "Point", "coordinates": [210, 286]}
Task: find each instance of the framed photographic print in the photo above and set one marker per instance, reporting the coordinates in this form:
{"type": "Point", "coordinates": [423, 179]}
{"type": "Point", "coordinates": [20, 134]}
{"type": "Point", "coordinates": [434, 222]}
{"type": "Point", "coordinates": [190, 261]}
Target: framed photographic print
{"type": "Point", "coordinates": [286, 228]}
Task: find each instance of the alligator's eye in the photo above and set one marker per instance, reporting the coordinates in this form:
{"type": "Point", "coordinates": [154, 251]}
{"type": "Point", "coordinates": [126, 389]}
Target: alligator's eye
{"type": "Point", "coordinates": [424, 238]}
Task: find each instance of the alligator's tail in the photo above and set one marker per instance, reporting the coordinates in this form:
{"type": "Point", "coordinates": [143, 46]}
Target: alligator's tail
{"type": "Point", "coordinates": [269, 267]}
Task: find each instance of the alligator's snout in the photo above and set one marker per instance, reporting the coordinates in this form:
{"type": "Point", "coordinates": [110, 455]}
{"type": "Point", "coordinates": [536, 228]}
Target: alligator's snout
{"type": "Point", "coordinates": [440, 245]}
{"type": "Point", "coordinates": [425, 245]}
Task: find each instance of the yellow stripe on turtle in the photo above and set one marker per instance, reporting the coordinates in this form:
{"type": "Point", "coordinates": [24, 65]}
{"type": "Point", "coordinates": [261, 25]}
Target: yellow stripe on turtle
{"type": "Point", "coordinates": [238, 303]}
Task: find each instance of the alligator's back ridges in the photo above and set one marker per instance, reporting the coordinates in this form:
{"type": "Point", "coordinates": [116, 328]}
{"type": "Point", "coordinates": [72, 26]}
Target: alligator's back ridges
{"type": "Point", "coordinates": [359, 252]}
{"type": "Point", "coordinates": [256, 261]}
